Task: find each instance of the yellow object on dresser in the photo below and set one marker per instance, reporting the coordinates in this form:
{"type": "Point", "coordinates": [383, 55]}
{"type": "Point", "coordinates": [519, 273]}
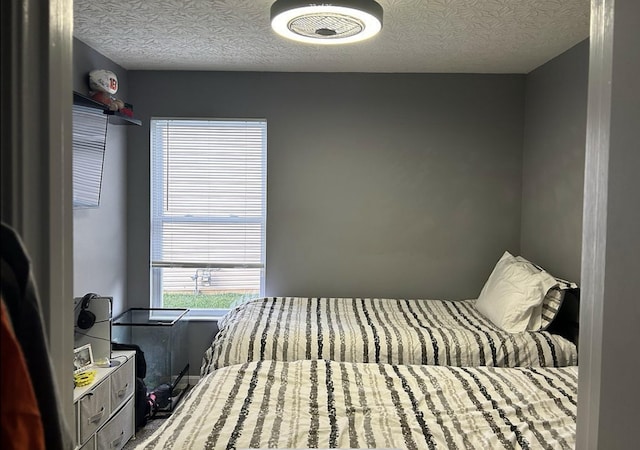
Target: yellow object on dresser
{"type": "Point", "coordinates": [84, 378]}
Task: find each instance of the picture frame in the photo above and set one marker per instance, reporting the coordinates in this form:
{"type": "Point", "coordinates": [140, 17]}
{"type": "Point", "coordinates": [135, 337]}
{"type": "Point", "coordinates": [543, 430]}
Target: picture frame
{"type": "Point", "coordinates": [82, 358]}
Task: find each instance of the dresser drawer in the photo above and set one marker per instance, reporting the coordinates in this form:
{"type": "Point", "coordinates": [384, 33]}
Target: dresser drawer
{"type": "Point", "coordinates": [119, 429]}
{"type": "Point", "coordinates": [122, 384]}
{"type": "Point", "coordinates": [93, 409]}
{"type": "Point", "coordinates": [90, 444]}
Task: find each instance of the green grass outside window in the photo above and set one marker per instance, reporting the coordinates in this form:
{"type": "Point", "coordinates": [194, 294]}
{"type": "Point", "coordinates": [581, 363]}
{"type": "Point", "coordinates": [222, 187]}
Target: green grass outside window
{"type": "Point", "coordinates": [203, 300]}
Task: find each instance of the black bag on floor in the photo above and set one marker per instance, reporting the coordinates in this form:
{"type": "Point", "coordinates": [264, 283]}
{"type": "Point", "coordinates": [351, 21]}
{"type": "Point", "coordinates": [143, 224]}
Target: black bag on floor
{"type": "Point", "coordinates": [141, 362]}
{"type": "Point", "coordinates": [161, 395]}
{"type": "Point", "coordinates": [143, 406]}
{"type": "Point", "coordinates": [142, 401]}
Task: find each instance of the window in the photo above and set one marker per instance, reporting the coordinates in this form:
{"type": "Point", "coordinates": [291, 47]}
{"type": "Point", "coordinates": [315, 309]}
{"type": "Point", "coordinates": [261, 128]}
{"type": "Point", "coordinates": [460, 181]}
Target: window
{"type": "Point", "coordinates": [207, 213]}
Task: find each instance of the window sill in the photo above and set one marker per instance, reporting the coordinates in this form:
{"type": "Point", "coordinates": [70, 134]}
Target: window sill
{"type": "Point", "coordinates": [204, 316]}
{"type": "Point", "coordinates": [203, 319]}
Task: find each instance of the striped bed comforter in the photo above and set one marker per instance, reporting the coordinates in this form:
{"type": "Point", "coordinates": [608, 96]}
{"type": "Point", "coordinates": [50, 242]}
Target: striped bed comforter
{"type": "Point", "coordinates": [393, 331]}
{"type": "Point", "coordinates": [328, 404]}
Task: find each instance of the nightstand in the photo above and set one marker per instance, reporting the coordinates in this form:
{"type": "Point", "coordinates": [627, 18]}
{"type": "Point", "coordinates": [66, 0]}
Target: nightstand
{"type": "Point", "coordinates": [104, 410]}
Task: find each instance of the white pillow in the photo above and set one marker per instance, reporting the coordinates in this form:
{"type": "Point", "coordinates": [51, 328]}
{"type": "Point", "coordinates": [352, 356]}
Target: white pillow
{"type": "Point", "coordinates": [544, 314]}
{"type": "Point", "coordinates": [513, 292]}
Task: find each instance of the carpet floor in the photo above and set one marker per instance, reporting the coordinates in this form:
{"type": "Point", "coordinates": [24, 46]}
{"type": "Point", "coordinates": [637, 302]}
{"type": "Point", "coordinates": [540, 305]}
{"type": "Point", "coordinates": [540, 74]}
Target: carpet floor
{"type": "Point", "coordinates": [144, 432]}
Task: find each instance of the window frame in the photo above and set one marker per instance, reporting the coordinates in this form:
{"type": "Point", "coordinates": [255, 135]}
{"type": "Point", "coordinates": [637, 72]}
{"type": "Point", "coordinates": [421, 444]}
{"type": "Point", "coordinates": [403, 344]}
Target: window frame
{"type": "Point", "coordinates": [155, 267]}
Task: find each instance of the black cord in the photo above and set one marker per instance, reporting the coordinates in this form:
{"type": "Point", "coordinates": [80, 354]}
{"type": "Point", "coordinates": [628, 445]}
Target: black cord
{"type": "Point", "coordinates": [100, 321]}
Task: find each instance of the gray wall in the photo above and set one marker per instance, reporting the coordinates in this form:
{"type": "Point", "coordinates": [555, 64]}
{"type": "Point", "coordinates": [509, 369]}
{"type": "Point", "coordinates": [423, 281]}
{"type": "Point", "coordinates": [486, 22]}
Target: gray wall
{"type": "Point", "coordinates": [378, 184]}
{"type": "Point", "coordinates": [200, 335]}
{"type": "Point", "coordinates": [372, 187]}
{"type": "Point", "coordinates": [99, 254]}
{"type": "Point", "coordinates": [553, 162]}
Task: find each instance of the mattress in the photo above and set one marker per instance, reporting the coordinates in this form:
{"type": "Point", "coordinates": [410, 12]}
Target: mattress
{"type": "Point", "coordinates": [329, 404]}
{"type": "Point", "coordinates": [392, 331]}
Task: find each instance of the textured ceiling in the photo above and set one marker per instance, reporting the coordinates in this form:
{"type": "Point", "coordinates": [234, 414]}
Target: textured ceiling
{"type": "Point", "coordinates": [465, 36]}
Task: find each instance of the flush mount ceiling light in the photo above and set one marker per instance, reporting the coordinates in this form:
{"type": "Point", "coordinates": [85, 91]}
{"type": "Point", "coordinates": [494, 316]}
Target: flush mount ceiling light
{"type": "Point", "coordinates": [330, 22]}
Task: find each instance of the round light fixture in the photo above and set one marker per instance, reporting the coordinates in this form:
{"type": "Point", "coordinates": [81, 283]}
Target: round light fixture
{"type": "Point", "coordinates": [329, 22]}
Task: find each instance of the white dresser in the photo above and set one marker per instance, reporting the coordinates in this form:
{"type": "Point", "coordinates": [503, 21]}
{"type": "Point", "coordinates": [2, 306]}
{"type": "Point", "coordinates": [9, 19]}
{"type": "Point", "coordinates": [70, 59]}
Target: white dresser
{"type": "Point", "coordinates": [104, 410]}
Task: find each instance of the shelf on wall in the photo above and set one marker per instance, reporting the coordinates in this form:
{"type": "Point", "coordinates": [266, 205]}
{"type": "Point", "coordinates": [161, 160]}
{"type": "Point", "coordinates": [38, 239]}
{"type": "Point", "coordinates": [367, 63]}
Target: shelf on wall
{"type": "Point", "coordinates": [115, 117]}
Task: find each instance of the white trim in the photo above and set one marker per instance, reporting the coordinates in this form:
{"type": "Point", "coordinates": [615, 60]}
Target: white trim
{"type": "Point", "coordinates": [192, 265]}
{"type": "Point", "coordinates": [594, 226]}
{"type": "Point", "coordinates": [205, 315]}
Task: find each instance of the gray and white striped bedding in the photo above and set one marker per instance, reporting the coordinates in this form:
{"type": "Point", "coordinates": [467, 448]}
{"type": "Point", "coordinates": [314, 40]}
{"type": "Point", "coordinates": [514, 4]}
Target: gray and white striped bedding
{"type": "Point", "coordinates": [394, 331]}
{"type": "Point", "coordinates": [329, 404]}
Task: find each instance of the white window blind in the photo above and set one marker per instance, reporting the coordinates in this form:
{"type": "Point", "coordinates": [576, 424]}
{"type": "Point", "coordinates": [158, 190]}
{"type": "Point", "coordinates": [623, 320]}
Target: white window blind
{"type": "Point", "coordinates": [208, 212]}
{"type": "Point", "coordinates": [89, 138]}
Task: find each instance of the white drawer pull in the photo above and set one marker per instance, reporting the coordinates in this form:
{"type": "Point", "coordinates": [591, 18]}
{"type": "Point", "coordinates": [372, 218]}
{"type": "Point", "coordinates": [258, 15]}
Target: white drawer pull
{"type": "Point", "coordinates": [123, 391]}
{"type": "Point", "coordinates": [96, 417]}
{"type": "Point", "coordinates": [116, 442]}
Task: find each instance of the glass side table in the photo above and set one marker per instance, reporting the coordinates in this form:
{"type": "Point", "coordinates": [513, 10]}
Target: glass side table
{"type": "Point", "coordinates": [161, 333]}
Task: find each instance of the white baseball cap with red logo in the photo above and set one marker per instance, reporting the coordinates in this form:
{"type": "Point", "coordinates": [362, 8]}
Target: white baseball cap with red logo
{"type": "Point", "coordinates": [102, 80]}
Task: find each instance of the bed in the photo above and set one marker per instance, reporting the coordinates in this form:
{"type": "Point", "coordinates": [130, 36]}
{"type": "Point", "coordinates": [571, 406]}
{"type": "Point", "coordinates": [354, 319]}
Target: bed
{"type": "Point", "coordinates": [330, 404]}
{"type": "Point", "coordinates": [523, 317]}
{"type": "Point", "coordinates": [499, 371]}
{"type": "Point", "coordinates": [394, 331]}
